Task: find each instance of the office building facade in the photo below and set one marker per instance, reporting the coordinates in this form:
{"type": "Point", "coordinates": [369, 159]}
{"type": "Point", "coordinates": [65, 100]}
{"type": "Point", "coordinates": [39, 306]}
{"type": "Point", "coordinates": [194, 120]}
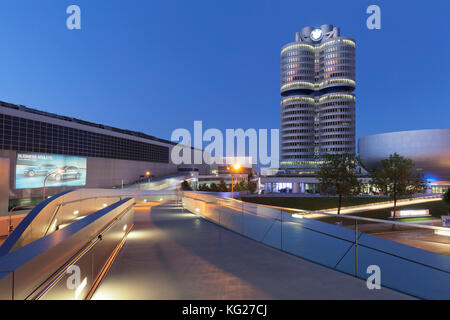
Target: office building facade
{"type": "Point", "coordinates": [76, 153]}
{"type": "Point", "coordinates": [318, 104]}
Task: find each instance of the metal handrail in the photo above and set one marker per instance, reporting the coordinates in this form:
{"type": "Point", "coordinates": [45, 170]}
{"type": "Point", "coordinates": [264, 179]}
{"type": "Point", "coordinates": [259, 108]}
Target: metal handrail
{"type": "Point", "coordinates": [10, 226]}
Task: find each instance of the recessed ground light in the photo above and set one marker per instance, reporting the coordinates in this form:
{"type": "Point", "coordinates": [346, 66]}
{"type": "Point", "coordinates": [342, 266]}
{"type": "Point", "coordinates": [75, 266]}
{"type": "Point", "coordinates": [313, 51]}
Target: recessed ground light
{"type": "Point", "coordinates": [76, 212]}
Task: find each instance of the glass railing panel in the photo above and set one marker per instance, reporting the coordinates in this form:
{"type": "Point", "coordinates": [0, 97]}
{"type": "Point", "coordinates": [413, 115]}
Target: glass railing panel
{"type": "Point", "coordinates": [306, 236]}
{"type": "Point", "coordinates": [6, 285]}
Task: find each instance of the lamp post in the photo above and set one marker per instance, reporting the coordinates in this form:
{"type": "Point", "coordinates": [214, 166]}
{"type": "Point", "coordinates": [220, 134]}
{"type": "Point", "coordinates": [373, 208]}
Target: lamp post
{"type": "Point", "coordinates": [59, 171]}
{"type": "Point", "coordinates": [235, 167]}
{"type": "Point", "coordinates": [148, 173]}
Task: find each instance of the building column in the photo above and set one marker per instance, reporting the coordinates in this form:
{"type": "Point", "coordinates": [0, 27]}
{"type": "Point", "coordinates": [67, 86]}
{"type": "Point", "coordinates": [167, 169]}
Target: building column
{"type": "Point", "coordinates": [295, 187]}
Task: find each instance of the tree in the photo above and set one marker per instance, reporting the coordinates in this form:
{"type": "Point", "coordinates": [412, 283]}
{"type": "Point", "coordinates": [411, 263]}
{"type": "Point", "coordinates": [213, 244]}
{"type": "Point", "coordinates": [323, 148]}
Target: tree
{"type": "Point", "coordinates": [337, 175]}
{"type": "Point", "coordinates": [214, 187]}
{"type": "Point", "coordinates": [252, 186]}
{"type": "Point", "coordinates": [223, 186]}
{"type": "Point", "coordinates": [241, 186]}
{"type": "Point", "coordinates": [185, 186]}
{"type": "Point", "coordinates": [446, 197]}
{"type": "Point", "coordinates": [395, 178]}
{"type": "Point", "coordinates": [204, 187]}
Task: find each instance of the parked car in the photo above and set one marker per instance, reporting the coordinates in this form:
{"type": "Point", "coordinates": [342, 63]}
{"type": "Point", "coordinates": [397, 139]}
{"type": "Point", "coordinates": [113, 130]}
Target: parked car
{"type": "Point", "coordinates": [39, 170]}
{"type": "Point", "coordinates": [66, 173]}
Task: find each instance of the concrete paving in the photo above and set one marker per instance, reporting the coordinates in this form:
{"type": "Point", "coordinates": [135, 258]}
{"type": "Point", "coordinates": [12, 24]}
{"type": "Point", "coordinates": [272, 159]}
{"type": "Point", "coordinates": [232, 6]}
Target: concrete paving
{"type": "Point", "coordinates": [171, 254]}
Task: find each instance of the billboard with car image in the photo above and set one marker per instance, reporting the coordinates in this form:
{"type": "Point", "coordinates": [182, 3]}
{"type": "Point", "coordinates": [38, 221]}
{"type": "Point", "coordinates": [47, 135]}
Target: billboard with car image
{"type": "Point", "coordinates": [58, 170]}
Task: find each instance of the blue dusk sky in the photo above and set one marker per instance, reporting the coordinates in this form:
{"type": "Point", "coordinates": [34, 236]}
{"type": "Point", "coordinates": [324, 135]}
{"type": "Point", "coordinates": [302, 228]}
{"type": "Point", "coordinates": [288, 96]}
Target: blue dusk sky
{"type": "Point", "coordinates": [154, 66]}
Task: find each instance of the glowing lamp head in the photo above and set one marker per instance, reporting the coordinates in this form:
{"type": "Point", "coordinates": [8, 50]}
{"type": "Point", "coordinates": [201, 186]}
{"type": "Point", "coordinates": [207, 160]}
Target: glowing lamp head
{"type": "Point", "coordinates": [236, 166]}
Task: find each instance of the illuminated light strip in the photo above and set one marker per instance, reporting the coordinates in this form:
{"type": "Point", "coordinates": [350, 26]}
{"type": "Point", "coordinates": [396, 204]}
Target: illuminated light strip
{"type": "Point", "coordinates": [336, 96]}
{"type": "Point", "coordinates": [297, 84]}
{"type": "Point", "coordinates": [295, 99]}
{"type": "Point", "coordinates": [80, 288]}
{"type": "Point", "coordinates": [54, 224]}
{"type": "Point", "coordinates": [349, 42]}
{"type": "Point", "coordinates": [321, 99]}
{"type": "Point", "coordinates": [337, 41]}
{"type": "Point", "coordinates": [442, 232]}
{"type": "Point", "coordinates": [318, 48]}
{"type": "Point", "coordinates": [334, 81]}
{"type": "Point", "coordinates": [317, 86]}
{"type": "Point", "coordinates": [297, 46]}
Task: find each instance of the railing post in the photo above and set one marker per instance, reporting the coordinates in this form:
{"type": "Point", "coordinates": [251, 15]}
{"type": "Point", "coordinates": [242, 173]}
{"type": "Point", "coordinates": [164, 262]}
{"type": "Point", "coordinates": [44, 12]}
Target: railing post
{"type": "Point", "coordinates": [242, 211]}
{"type": "Point", "coordinates": [281, 228]}
{"type": "Point", "coordinates": [13, 285]}
{"type": "Point", "coordinates": [356, 248]}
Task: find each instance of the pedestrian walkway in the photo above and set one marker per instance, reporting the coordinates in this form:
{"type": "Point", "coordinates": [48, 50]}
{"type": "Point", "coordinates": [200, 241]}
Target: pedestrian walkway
{"type": "Point", "coordinates": [171, 254]}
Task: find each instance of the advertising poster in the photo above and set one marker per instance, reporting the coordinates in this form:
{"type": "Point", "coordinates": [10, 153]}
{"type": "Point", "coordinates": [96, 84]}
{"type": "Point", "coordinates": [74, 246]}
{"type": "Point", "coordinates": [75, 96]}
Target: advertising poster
{"type": "Point", "coordinates": [33, 168]}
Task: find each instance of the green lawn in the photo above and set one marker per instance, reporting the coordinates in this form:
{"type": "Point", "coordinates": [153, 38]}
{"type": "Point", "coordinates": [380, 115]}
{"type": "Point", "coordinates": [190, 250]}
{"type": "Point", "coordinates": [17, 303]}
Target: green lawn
{"type": "Point", "coordinates": [311, 203]}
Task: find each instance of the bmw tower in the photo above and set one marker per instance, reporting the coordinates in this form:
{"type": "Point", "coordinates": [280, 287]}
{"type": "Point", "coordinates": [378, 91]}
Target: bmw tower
{"type": "Point", "coordinates": [317, 106]}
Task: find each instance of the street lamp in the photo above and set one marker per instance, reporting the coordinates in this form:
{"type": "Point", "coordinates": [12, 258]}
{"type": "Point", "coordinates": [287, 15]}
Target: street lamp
{"type": "Point", "coordinates": [148, 173]}
{"type": "Point", "coordinates": [59, 171]}
{"type": "Point", "coordinates": [235, 167]}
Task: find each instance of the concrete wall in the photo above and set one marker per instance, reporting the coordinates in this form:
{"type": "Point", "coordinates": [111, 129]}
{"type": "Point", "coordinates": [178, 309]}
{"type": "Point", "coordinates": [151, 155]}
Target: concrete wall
{"type": "Point", "coordinates": [15, 220]}
{"type": "Point", "coordinates": [110, 172]}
